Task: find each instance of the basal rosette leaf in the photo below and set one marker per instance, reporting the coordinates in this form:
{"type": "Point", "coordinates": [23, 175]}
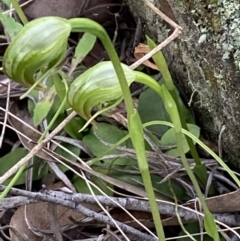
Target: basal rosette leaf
{"type": "Point", "coordinates": [41, 43]}
{"type": "Point", "coordinates": [97, 85]}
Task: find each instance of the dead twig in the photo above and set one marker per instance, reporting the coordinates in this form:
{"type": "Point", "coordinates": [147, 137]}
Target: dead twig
{"type": "Point", "coordinates": [174, 35]}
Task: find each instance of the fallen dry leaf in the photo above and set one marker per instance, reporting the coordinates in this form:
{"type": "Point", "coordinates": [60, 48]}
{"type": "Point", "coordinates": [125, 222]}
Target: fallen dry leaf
{"type": "Point", "coordinates": [226, 203]}
{"type": "Point", "coordinates": [37, 217]}
{"type": "Point", "coordinates": [140, 51]}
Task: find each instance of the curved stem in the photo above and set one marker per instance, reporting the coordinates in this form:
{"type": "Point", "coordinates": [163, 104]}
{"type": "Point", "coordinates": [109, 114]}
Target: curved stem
{"type": "Point", "coordinates": [134, 121]}
{"type": "Point", "coordinates": [87, 25]}
{"type": "Point", "coordinates": [172, 110]}
{"type": "Point", "coordinates": [13, 181]}
{"type": "Point", "coordinates": [19, 11]}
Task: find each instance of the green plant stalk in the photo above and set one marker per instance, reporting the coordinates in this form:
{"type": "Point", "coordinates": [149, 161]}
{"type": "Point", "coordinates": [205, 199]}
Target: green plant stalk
{"type": "Point", "coordinates": [184, 125]}
{"type": "Point", "coordinates": [172, 110]}
{"type": "Point", "coordinates": [209, 223]}
{"type": "Point", "coordinates": [13, 181]}
{"type": "Point", "coordinates": [212, 231]}
{"type": "Point", "coordinates": [200, 169]}
{"type": "Point", "coordinates": [137, 137]}
{"type": "Point", "coordinates": [86, 25]}
{"type": "Point", "coordinates": [163, 67]}
{"type": "Point", "coordinates": [19, 11]}
{"type": "Point", "coordinates": [171, 107]}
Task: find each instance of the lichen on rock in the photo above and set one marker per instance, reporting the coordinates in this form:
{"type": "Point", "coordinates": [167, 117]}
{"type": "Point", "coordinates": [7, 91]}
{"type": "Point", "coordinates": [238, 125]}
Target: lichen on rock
{"type": "Point", "coordinates": [219, 21]}
{"type": "Point", "coordinates": [205, 61]}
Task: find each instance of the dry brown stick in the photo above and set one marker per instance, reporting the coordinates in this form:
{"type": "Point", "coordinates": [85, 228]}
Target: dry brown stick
{"type": "Point", "coordinates": [175, 34]}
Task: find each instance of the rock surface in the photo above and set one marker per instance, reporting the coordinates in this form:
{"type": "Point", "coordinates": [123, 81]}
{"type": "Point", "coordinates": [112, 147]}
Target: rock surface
{"type": "Point", "coordinates": [205, 61]}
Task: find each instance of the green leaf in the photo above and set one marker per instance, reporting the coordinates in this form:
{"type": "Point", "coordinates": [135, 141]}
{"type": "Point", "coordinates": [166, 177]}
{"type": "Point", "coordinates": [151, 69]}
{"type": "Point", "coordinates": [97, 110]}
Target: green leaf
{"type": "Point", "coordinates": [59, 86]}
{"type": "Point", "coordinates": [193, 228]}
{"type": "Point", "coordinates": [210, 225]}
{"type": "Point", "coordinates": [75, 150]}
{"type": "Point", "coordinates": [96, 86]}
{"type": "Point", "coordinates": [73, 127]}
{"type": "Point", "coordinates": [169, 139]}
{"type": "Point", "coordinates": [111, 135]}
{"type": "Point", "coordinates": [7, 2]}
{"type": "Point", "coordinates": [82, 187]}
{"type": "Point", "coordinates": [9, 160]}
{"type": "Point", "coordinates": [151, 107]}
{"type": "Point", "coordinates": [43, 106]}
{"type": "Point", "coordinates": [161, 189]}
{"type": "Point", "coordinates": [31, 107]}
{"type": "Point", "coordinates": [84, 46]}
{"type": "Point", "coordinates": [11, 26]}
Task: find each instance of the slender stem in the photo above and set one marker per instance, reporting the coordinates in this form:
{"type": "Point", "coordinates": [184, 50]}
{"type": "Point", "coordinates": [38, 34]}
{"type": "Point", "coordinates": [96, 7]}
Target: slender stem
{"type": "Point", "coordinates": [207, 213]}
{"type": "Point", "coordinates": [172, 110]}
{"type": "Point", "coordinates": [19, 11]}
{"type": "Point", "coordinates": [184, 125]}
{"type": "Point", "coordinates": [163, 67]}
{"type": "Point", "coordinates": [13, 181]}
{"type": "Point", "coordinates": [87, 25]}
{"type": "Point", "coordinates": [134, 121]}
{"type": "Point", "coordinates": [137, 137]}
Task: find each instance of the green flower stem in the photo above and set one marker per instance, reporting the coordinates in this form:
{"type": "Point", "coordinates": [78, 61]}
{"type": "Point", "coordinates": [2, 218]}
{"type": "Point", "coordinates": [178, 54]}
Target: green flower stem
{"type": "Point", "coordinates": [13, 181]}
{"type": "Point", "coordinates": [172, 110]}
{"type": "Point", "coordinates": [208, 217]}
{"type": "Point", "coordinates": [137, 137]}
{"type": "Point", "coordinates": [19, 11]}
{"type": "Point", "coordinates": [134, 122]}
{"type": "Point", "coordinates": [184, 125]}
{"type": "Point", "coordinates": [87, 25]}
{"type": "Point", "coordinates": [150, 82]}
{"type": "Point", "coordinates": [200, 169]}
{"type": "Point", "coordinates": [163, 67]}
